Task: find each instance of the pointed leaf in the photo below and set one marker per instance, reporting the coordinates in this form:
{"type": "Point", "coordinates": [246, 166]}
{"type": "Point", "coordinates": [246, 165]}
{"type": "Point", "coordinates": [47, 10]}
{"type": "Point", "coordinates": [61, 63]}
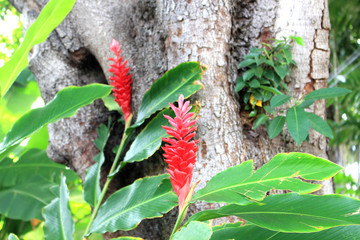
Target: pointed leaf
{"type": "Point", "coordinates": [149, 140]}
{"type": "Point", "coordinates": [253, 232]}
{"type": "Point", "coordinates": [271, 89]}
{"type": "Point", "coordinates": [298, 124]}
{"type": "Point", "coordinates": [246, 63]}
{"type": "Point", "coordinates": [240, 184]}
{"type": "Point", "coordinates": [298, 213]}
{"type": "Point", "coordinates": [261, 119]}
{"type": "Point", "coordinates": [254, 83]}
{"type": "Point", "coordinates": [65, 104]}
{"type": "Point", "coordinates": [288, 55]}
{"type": "Point", "coordinates": [183, 79]}
{"type": "Point", "coordinates": [275, 126]}
{"type": "Point", "coordinates": [248, 74]}
{"type": "Point", "coordinates": [50, 17]}
{"type": "Point", "coordinates": [306, 103]}
{"type": "Point", "coordinates": [92, 189]}
{"type": "Point", "coordinates": [281, 71]}
{"type": "Point", "coordinates": [149, 197]}
{"type": "Point", "coordinates": [194, 231]}
{"type": "Point", "coordinates": [319, 125]}
{"type": "Point", "coordinates": [327, 93]}
{"type": "Point", "coordinates": [279, 100]}
{"type": "Point", "coordinates": [239, 86]}
{"type": "Point", "coordinates": [58, 221]}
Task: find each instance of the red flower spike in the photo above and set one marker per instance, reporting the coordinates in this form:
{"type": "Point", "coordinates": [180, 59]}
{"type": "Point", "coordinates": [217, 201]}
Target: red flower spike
{"type": "Point", "coordinates": [180, 153]}
{"type": "Point", "coordinates": [121, 80]}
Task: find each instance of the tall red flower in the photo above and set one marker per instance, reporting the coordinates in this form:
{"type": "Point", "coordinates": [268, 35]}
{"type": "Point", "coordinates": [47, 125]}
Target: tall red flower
{"type": "Point", "coordinates": [180, 153]}
{"type": "Point", "coordinates": [121, 80]}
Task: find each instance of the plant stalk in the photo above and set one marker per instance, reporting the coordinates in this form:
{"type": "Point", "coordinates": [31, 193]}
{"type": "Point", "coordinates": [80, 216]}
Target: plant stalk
{"type": "Point", "coordinates": [108, 179]}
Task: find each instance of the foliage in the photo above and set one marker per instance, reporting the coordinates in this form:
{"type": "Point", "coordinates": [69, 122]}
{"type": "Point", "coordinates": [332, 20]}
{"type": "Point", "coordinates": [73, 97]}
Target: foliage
{"type": "Point", "coordinates": [346, 184]}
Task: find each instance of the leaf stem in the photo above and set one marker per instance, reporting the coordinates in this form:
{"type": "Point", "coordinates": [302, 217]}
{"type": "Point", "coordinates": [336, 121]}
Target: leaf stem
{"type": "Point", "coordinates": [179, 220]}
{"type": "Point", "coordinates": [109, 178]}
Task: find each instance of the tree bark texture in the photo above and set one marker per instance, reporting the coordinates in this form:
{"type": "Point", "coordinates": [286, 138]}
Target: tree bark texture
{"type": "Point", "coordinates": [155, 36]}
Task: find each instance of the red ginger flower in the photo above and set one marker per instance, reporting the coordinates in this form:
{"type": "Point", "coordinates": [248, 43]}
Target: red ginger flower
{"type": "Point", "coordinates": [121, 80]}
{"type": "Point", "coordinates": [181, 153]}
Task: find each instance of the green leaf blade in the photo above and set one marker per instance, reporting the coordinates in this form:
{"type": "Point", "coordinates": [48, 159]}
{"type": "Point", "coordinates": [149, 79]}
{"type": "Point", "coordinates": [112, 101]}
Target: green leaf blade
{"type": "Point", "coordinates": [149, 197]}
{"type": "Point", "coordinates": [276, 126]}
{"type": "Point", "coordinates": [326, 93]}
{"type": "Point", "coordinates": [261, 119]}
{"type": "Point", "coordinates": [298, 124]}
{"type": "Point", "coordinates": [183, 79]}
{"type": "Point", "coordinates": [50, 17]}
{"type": "Point", "coordinates": [279, 100]}
{"type": "Point", "coordinates": [57, 215]}
{"type": "Point", "coordinates": [65, 104]}
{"type": "Point", "coordinates": [319, 125]}
{"type": "Point", "coordinates": [194, 231]}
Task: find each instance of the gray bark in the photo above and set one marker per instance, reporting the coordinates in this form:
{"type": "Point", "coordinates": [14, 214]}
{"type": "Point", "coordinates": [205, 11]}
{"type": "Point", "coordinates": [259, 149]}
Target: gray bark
{"type": "Point", "coordinates": [156, 36]}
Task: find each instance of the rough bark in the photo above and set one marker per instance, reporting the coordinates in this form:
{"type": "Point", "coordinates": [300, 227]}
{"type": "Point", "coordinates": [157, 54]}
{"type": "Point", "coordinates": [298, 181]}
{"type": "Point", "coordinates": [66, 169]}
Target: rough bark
{"type": "Point", "coordinates": [156, 35]}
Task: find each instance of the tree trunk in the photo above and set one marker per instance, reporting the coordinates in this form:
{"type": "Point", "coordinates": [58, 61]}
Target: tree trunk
{"type": "Point", "coordinates": [155, 36]}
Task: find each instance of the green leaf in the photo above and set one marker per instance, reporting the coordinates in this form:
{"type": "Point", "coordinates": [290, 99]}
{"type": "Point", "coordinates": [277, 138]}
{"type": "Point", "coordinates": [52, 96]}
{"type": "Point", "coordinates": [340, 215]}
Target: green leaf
{"type": "Point", "coordinates": [246, 63]}
{"type": "Point", "coordinates": [281, 71]}
{"type": "Point", "coordinates": [240, 184]}
{"type": "Point", "coordinates": [288, 55]}
{"type": "Point", "coordinates": [194, 231]}
{"type": "Point", "coordinates": [275, 126]}
{"type": "Point", "coordinates": [248, 74]}
{"type": "Point", "coordinates": [92, 189]}
{"type": "Point", "coordinates": [58, 221]}
{"type": "Point", "coordinates": [253, 232]}
{"type": "Point", "coordinates": [279, 100]}
{"type": "Point", "coordinates": [298, 124]}
{"type": "Point", "coordinates": [271, 89]}
{"type": "Point", "coordinates": [149, 197]}
{"type": "Point", "coordinates": [306, 103]}
{"type": "Point", "coordinates": [13, 237]}
{"type": "Point", "coordinates": [269, 74]}
{"type": "Point", "coordinates": [298, 40]}
{"type": "Point", "coordinates": [298, 213]}
{"type": "Point", "coordinates": [239, 86]}
{"type": "Point", "coordinates": [111, 104]}
{"type": "Point", "coordinates": [50, 17]}
{"type": "Point", "coordinates": [183, 79]}
{"type": "Point", "coordinates": [254, 83]}
{"type": "Point", "coordinates": [261, 119]}
{"type": "Point", "coordinates": [26, 200]}
{"type": "Point", "coordinates": [319, 125]}
{"type": "Point", "coordinates": [269, 109]}
{"type": "Point", "coordinates": [33, 163]}
{"type": "Point", "coordinates": [65, 104]}
{"type": "Point", "coordinates": [253, 113]}
{"type": "Point", "coordinates": [149, 139]}
{"type": "Point", "coordinates": [327, 93]}
{"type": "Point", "coordinates": [259, 71]}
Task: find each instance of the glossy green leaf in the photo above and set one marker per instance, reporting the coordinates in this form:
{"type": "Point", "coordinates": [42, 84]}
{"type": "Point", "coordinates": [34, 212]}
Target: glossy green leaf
{"type": "Point", "coordinates": [298, 213]}
{"type": "Point", "coordinates": [281, 71]}
{"type": "Point", "coordinates": [149, 139]}
{"type": "Point", "coordinates": [26, 200]}
{"type": "Point", "coordinates": [254, 83]}
{"type": "Point", "coordinates": [306, 103]}
{"type": "Point", "coordinates": [253, 232]}
{"type": "Point", "coordinates": [327, 93]}
{"type": "Point", "coordinates": [261, 119]}
{"type": "Point", "coordinates": [92, 189]}
{"type": "Point", "coordinates": [319, 125]}
{"type": "Point", "coordinates": [298, 124]}
{"type": "Point", "coordinates": [246, 63]}
{"type": "Point", "coordinates": [259, 71]}
{"type": "Point", "coordinates": [271, 89]}
{"type": "Point", "coordinates": [298, 40]}
{"type": "Point", "coordinates": [288, 55]}
{"type": "Point", "coordinates": [149, 197]}
{"type": "Point", "coordinates": [50, 17]}
{"type": "Point", "coordinates": [239, 85]}
{"type": "Point", "coordinates": [194, 231]}
{"type": "Point", "coordinates": [248, 74]}
{"type": "Point", "coordinates": [33, 163]}
{"type": "Point", "coordinates": [240, 184]}
{"type": "Point", "coordinates": [253, 113]}
{"type": "Point", "coordinates": [65, 104]}
{"type": "Point", "coordinates": [279, 100]}
{"type": "Point", "coordinates": [276, 126]}
{"type": "Point", "coordinates": [13, 237]}
{"type": "Point", "coordinates": [183, 79]}
{"type": "Point", "coordinates": [111, 104]}
{"type": "Point", "coordinates": [58, 221]}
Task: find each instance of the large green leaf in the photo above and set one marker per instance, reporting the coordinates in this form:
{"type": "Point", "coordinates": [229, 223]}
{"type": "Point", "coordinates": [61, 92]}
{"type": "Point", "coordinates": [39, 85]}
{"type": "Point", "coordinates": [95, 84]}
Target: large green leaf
{"type": "Point", "coordinates": [13, 237]}
{"type": "Point", "coordinates": [26, 200]}
{"type": "Point", "coordinates": [298, 124]}
{"type": "Point", "coordinates": [298, 213]}
{"type": "Point", "coordinates": [261, 119]}
{"type": "Point", "coordinates": [33, 163]}
{"type": "Point", "coordinates": [275, 126]}
{"type": "Point", "coordinates": [149, 197]}
{"type": "Point", "coordinates": [194, 231]}
{"type": "Point", "coordinates": [240, 184]}
{"type": "Point", "coordinates": [253, 232]}
{"type": "Point", "coordinates": [149, 139]}
{"type": "Point", "coordinates": [65, 104]}
{"type": "Point", "coordinates": [58, 221]}
{"type": "Point", "coordinates": [326, 93]}
{"type": "Point", "coordinates": [183, 79]}
{"type": "Point", "coordinates": [319, 125]}
{"type": "Point", "coordinates": [92, 189]}
{"type": "Point", "coordinates": [279, 100]}
{"type": "Point", "coordinates": [50, 17]}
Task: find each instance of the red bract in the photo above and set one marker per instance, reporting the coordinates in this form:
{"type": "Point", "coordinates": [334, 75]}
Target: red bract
{"type": "Point", "coordinates": [121, 80]}
{"type": "Point", "coordinates": [180, 153]}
